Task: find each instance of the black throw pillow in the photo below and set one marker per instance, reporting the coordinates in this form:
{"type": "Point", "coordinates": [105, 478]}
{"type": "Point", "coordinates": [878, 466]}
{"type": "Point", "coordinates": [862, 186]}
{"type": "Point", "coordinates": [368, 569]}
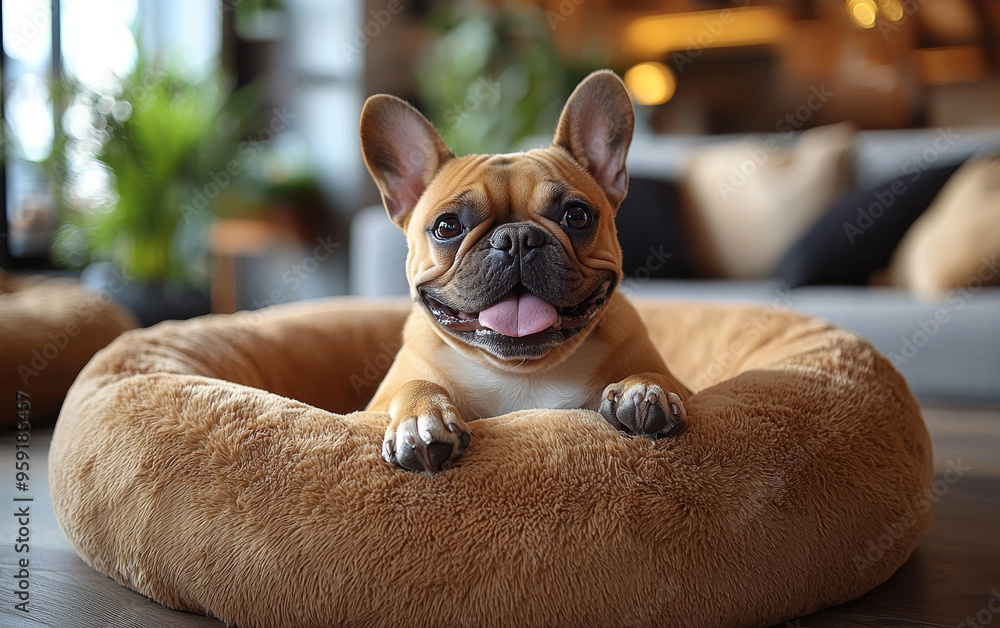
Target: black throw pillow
{"type": "Point", "coordinates": [650, 232]}
{"type": "Point", "coordinates": [857, 236]}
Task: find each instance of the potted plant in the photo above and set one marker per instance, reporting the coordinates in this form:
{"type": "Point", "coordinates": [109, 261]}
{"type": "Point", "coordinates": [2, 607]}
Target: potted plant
{"type": "Point", "coordinates": [162, 143]}
{"type": "Point", "coordinates": [491, 76]}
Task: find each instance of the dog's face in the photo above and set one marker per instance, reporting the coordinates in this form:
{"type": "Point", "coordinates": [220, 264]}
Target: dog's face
{"type": "Point", "coordinates": [514, 257]}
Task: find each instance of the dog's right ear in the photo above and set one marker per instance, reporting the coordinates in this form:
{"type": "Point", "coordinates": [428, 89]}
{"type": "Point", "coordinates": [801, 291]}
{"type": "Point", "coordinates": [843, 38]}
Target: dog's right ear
{"type": "Point", "coordinates": [403, 152]}
{"type": "Point", "coordinates": [596, 128]}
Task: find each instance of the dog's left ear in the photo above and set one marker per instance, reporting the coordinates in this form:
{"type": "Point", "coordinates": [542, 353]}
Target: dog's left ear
{"type": "Point", "coordinates": [596, 128]}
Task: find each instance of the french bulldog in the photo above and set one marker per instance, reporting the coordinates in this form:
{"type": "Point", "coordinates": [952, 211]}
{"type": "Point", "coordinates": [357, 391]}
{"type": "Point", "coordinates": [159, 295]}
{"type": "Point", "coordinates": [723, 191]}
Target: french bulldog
{"type": "Point", "coordinates": [513, 266]}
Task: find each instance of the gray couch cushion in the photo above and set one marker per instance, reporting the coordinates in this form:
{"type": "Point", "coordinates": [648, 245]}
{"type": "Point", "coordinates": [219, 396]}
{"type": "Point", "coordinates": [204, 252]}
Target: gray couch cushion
{"type": "Point", "coordinates": [947, 350]}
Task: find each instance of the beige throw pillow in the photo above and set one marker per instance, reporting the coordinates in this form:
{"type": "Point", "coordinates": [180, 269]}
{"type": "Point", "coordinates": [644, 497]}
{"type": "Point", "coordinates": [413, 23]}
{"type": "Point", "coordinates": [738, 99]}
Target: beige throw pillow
{"type": "Point", "coordinates": [747, 201]}
{"type": "Point", "coordinates": [956, 242]}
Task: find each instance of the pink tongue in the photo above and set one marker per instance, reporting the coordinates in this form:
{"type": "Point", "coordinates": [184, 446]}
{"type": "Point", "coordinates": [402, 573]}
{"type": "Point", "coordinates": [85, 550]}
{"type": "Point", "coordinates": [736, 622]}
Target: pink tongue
{"type": "Point", "coordinates": [518, 316]}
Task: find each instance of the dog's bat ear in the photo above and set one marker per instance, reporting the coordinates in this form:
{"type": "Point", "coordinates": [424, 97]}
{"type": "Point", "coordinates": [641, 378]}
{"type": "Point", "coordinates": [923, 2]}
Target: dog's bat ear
{"type": "Point", "coordinates": [403, 152]}
{"type": "Point", "coordinates": [596, 128]}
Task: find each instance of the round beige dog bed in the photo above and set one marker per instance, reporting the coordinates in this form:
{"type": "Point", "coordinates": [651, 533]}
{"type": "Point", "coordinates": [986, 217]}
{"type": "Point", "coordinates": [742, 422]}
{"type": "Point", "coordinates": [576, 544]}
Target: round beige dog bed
{"type": "Point", "coordinates": [49, 329]}
{"type": "Point", "coordinates": [204, 464]}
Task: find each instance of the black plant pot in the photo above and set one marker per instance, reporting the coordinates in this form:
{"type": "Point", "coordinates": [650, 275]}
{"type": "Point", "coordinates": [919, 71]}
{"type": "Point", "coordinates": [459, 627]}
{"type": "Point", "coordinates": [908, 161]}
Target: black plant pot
{"type": "Point", "coordinates": [151, 303]}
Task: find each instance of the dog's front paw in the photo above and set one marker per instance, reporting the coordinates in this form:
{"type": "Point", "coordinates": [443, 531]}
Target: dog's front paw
{"type": "Point", "coordinates": [639, 406]}
{"type": "Point", "coordinates": [426, 433]}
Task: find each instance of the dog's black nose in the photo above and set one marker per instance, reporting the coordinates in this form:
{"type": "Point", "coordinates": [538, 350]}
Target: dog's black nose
{"type": "Point", "coordinates": [517, 238]}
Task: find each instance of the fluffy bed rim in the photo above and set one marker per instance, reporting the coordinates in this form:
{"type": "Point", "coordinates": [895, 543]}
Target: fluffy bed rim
{"type": "Point", "coordinates": [208, 465]}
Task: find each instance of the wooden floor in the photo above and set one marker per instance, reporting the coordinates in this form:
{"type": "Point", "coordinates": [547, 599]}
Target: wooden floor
{"type": "Point", "coordinates": [953, 579]}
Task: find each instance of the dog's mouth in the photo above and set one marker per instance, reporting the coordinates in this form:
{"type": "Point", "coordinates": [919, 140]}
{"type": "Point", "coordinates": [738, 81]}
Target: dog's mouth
{"type": "Point", "coordinates": [520, 324]}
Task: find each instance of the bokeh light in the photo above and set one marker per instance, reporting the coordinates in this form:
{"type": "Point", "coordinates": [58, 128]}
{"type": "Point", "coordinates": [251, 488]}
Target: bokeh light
{"type": "Point", "coordinates": [98, 46]}
{"type": "Point", "coordinates": [892, 9]}
{"type": "Point", "coordinates": [27, 31]}
{"type": "Point", "coordinates": [29, 112]}
{"type": "Point", "coordinates": [863, 12]}
{"type": "Point", "coordinates": [651, 83]}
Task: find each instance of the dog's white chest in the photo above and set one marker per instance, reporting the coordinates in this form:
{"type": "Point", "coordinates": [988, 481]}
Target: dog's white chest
{"type": "Point", "coordinates": [491, 392]}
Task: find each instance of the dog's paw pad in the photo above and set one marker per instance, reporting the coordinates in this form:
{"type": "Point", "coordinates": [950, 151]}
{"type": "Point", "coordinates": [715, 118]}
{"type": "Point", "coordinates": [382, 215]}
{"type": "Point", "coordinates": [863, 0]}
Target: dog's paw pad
{"type": "Point", "coordinates": [642, 408]}
{"type": "Point", "coordinates": [426, 443]}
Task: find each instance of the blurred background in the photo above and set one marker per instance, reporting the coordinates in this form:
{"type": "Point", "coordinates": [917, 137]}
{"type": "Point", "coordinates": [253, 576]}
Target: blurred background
{"type": "Point", "coordinates": [166, 159]}
{"type": "Point", "coordinates": [188, 156]}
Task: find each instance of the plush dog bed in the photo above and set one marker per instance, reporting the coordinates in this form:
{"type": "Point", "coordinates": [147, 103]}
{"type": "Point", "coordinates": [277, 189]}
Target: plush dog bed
{"type": "Point", "coordinates": [49, 329]}
{"type": "Point", "coordinates": [204, 464]}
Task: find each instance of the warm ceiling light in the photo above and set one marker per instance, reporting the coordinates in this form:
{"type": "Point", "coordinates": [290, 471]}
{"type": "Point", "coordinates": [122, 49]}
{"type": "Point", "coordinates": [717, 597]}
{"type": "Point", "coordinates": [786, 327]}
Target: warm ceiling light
{"type": "Point", "coordinates": [665, 33]}
{"type": "Point", "coordinates": [863, 12]}
{"type": "Point", "coordinates": [892, 9]}
{"type": "Point", "coordinates": [651, 83]}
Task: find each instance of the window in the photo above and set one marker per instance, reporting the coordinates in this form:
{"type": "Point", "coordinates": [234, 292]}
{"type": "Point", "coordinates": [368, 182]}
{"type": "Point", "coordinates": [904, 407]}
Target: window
{"type": "Point", "coordinates": [93, 43]}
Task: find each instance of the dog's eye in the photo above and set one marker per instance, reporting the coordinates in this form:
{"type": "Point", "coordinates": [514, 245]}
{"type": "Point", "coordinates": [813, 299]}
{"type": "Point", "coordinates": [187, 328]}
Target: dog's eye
{"type": "Point", "coordinates": [447, 227]}
{"type": "Point", "coordinates": [576, 217]}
